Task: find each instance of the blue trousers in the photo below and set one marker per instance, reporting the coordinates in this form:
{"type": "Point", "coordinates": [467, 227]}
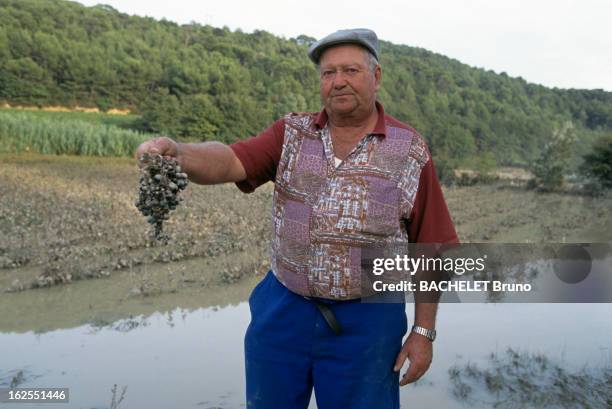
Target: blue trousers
{"type": "Point", "coordinates": [290, 349]}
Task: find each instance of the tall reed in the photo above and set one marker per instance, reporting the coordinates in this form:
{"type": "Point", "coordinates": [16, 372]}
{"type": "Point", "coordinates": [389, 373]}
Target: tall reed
{"type": "Point", "coordinates": [27, 132]}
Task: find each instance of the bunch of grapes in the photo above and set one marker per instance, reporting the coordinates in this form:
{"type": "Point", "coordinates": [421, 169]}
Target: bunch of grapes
{"type": "Point", "coordinates": [161, 180]}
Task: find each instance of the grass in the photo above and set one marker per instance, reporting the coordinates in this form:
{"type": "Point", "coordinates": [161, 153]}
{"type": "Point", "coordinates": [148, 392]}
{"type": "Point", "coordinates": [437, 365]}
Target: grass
{"type": "Point", "coordinates": [66, 134]}
{"type": "Point", "coordinates": [16, 378]}
{"type": "Point", "coordinates": [519, 379]}
{"type": "Point", "coordinates": [117, 398]}
{"type": "Point", "coordinates": [505, 214]}
{"type": "Point", "coordinates": [130, 121]}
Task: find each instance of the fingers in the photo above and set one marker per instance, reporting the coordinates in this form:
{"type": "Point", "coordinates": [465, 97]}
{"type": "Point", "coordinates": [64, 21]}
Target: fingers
{"type": "Point", "coordinates": [414, 372]}
{"type": "Point", "coordinates": [143, 148]}
{"type": "Point", "coordinates": [419, 352]}
{"type": "Point", "coordinates": [162, 146]}
{"type": "Point", "coordinates": [401, 358]}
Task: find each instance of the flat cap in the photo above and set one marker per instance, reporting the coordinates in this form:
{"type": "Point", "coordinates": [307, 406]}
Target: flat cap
{"type": "Point", "coordinates": [360, 36]}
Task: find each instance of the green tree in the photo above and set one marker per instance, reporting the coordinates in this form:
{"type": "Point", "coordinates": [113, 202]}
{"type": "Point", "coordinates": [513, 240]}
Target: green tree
{"type": "Point", "coordinates": [551, 166]}
{"type": "Point", "coordinates": [597, 164]}
{"type": "Point", "coordinates": [200, 118]}
{"type": "Point", "coordinates": [202, 81]}
{"type": "Point", "coordinates": [161, 113]}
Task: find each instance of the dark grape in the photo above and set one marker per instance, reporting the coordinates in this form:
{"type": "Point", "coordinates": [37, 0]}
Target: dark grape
{"type": "Point", "coordinates": [161, 180]}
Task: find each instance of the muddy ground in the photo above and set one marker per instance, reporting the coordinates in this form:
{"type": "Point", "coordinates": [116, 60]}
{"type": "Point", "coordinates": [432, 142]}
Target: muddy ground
{"type": "Point", "coordinates": [67, 220]}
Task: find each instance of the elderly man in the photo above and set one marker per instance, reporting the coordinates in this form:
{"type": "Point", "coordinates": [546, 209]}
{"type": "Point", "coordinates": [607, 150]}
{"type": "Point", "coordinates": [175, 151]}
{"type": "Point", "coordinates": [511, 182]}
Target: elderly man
{"type": "Point", "coordinates": [345, 178]}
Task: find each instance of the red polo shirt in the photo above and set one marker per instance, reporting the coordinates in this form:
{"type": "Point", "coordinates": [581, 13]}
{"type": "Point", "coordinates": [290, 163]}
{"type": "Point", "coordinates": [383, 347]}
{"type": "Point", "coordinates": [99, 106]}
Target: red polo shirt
{"type": "Point", "coordinates": [429, 221]}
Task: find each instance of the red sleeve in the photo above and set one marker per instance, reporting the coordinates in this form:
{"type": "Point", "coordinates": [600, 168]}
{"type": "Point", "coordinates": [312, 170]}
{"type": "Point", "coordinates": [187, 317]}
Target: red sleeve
{"type": "Point", "coordinates": [430, 221]}
{"type": "Point", "coordinates": [260, 156]}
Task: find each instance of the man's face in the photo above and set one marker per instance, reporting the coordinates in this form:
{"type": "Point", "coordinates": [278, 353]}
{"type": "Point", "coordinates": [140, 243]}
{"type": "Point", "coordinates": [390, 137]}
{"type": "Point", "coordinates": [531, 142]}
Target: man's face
{"type": "Point", "coordinates": [347, 84]}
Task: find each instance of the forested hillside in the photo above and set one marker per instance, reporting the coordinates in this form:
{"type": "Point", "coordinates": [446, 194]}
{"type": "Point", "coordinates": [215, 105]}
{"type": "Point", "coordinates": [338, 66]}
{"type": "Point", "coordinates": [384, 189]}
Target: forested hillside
{"type": "Point", "coordinates": [211, 83]}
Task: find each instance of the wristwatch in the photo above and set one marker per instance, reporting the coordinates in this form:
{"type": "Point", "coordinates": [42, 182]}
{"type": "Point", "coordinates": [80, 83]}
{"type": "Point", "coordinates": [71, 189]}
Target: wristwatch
{"type": "Point", "coordinates": [430, 334]}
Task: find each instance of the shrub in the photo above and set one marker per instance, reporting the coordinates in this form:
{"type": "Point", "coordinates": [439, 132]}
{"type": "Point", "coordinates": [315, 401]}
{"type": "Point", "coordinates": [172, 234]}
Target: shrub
{"type": "Point", "coordinates": [552, 164]}
{"type": "Point", "coordinates": [597, 164]}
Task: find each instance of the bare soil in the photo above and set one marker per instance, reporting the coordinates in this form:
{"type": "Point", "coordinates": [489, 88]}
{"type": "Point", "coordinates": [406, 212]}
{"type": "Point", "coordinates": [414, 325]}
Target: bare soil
{"type": "Point", "coordinates": [67, 219]}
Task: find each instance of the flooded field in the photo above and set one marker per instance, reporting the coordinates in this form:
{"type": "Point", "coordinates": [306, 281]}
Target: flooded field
{"type": "Point", "coordinates": [87, 302]}
{"type": "Point", "coordinates": [192, 357]}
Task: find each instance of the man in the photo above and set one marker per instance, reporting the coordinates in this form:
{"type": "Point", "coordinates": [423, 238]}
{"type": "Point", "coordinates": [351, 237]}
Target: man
{"type": "Point", "coordinates": [345, 178]}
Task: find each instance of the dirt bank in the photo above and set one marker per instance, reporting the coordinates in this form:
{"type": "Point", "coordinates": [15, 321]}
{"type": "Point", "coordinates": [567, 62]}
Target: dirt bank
{"type": "Point", "coordinates": [66, 219]}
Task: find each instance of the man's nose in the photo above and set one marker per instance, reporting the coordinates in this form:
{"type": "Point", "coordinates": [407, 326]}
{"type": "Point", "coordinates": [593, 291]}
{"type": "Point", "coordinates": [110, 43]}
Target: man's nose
{"type": "Point", "coordinates": [339, 80]}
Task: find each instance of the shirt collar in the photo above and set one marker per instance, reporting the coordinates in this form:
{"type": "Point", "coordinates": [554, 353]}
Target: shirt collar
{"type": "Point", "coordinates": [379, 128]}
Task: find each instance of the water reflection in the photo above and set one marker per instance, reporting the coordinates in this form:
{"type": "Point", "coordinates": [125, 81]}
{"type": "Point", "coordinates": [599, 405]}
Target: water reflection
{"type": "Point", "coordinates": [193, 358]}
{"type": "Point", "coordinates": [176, 359]}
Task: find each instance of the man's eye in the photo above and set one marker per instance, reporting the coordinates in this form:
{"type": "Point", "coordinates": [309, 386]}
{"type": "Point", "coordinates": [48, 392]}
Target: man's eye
{"type": "Point", "coordinates": [352, 71]}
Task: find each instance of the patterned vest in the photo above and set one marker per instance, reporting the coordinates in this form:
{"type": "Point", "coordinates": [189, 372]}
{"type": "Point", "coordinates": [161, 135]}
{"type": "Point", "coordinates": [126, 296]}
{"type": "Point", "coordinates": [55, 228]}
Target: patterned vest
{"type": "Point", "coordinates": [323, 216]}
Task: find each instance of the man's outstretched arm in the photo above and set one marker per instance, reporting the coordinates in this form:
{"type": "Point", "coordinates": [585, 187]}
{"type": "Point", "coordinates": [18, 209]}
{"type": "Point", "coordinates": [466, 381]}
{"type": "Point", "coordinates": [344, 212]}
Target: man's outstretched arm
{"type": "Point", "coordinates": [205, 163]}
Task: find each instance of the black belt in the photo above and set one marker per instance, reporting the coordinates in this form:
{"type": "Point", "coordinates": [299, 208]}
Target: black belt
{"type": "Point", "coordinates": [328, 314]}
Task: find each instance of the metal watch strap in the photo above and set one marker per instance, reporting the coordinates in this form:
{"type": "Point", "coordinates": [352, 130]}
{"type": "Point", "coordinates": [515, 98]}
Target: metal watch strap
{"type": "Point", "coordinates": [430, 334]}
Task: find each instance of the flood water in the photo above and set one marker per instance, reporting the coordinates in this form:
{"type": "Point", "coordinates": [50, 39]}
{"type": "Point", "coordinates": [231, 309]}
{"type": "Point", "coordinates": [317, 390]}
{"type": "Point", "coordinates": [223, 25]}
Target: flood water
{"type": "Point", "coordinates": [191, 356]}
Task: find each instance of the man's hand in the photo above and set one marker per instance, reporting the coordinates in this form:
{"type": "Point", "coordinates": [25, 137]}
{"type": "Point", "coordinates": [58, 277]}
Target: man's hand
{"type": "Point", "coordinates": [206, 163]}
{"type": "Point", "coordinates": [163, 146]}
{"type": "Point", "coordinates": [419, 350]}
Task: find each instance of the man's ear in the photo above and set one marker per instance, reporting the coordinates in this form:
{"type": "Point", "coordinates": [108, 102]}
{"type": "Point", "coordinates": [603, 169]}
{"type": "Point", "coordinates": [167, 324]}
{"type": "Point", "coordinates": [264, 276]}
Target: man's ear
{"type": "Point", "coordinates": [378, 76]}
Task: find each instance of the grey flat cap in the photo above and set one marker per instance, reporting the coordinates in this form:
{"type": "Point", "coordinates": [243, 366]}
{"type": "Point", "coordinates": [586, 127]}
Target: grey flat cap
{"type": "Point", "coordinates": [360, 36]}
